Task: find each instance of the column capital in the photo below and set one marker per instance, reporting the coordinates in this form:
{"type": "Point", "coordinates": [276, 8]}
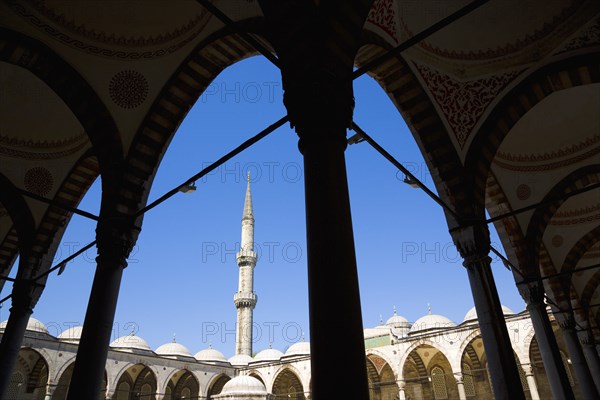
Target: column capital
{"type": "Point", "coordinates": [527, 369]}
{"type": "Point", "coordinates": [586, 337]}
{"type": "Point", "coordinates": [115, 238]}
{"type": "Point", "coordinates": [25, 294]}
{"type": "Point", "coordinates": [459, 378]}
{"type": "Point", "coordinates": [320, 105]}
{"type": "Point", "coordinates": [532, 293]}
{"type": "Point", "coordinates": [473, 243]}
{"type": "Point", "coordinates": [565, 319]}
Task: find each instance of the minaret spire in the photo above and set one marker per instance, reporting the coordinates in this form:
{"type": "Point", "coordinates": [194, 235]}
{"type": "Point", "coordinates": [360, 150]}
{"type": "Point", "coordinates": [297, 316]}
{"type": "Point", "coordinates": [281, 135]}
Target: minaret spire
{"type": "Point", "coordinates": [245, 298]}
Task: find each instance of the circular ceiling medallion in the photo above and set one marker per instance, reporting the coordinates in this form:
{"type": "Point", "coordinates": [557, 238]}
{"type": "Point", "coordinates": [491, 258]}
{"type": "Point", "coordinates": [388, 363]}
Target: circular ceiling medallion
{"type": "Point", "coordinates": [426, 354]}
{"type": "Point", "coordinates": [557, 240]}
{"type": "Point", "coordinates": [38, 180]}
{"type": "Point", "coordinates": [523, 191]}
{"type": "Point", "coordinates": [128, 89]}
{"type": "Point", "coordinates": [479, 344]}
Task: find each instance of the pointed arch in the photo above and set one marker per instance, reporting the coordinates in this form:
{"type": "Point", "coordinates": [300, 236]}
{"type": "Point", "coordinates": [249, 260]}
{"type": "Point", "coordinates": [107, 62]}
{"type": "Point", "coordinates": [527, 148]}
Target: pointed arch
{"type": "Point", "coordinates": [70, 86]}
{"type": "Point", "coordinates": [539, 84]}
{"type": "Point", "coordinates": [543, 214]}
{"type": "Point", "coordinates": [187, 386]}
{"type": "Point", "coordinates": [216, 384]}
{"type": "Point", "coordinates": [287, 382]}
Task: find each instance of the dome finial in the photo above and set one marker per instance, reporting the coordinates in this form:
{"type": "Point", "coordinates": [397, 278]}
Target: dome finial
{"type": "Point", "coordinates": [132, 333]}
{"type": "Point", "coordinates": [395, 311]}
{"type": "Point", "coordinates": [380, 319]}
{"type": "Point", "coordinates": [248, 176]}
{"type": "Point", "coordinates": [174, 338]}
{"type": "Point", "coordinates": [428, 308]}
{"type": "Point", "coordinates": [302, 338]}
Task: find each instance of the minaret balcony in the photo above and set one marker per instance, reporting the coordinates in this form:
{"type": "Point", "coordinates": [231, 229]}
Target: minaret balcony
{"type": "Point", "coordinates": [245, 299]}
{"type": "Point", "coordinates": [246, 257]}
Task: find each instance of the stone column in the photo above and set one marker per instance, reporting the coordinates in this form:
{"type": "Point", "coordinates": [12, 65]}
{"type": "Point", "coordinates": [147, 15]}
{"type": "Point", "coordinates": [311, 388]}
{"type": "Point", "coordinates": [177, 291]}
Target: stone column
{"type": "Point", "coordinates": [566, 321]}
{"type": "Point", "coordinates": [462, 395]}
{"type": "Point", "coordinates": [586, 338]}
{"type": "Point", "coordinates": [49, 392]}
{"type": "Point", "coordinates": [533, 391]}
{"type": "Point", "coordinates": [23, 300]}
{"type": "Point", "coordinates": [401, 393]}
{"type": "Point", "coordinates": [473, 243]}
{"type": "Point", "coordinates": [533, 294]}
{"type": "Point", "coordinates": [320, 108]}
{"type": "Point", "coordinates": [114, 242]}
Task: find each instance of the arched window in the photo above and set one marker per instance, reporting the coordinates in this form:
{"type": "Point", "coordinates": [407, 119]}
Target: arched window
{"type": "Point", "coordinates": [146, 392]}
{"type": "Point", "coordinates": [438, 381]}
{"type": "Point", "coordinates": [468, 380]}
{"type": "Point", "coordinates": [186, 393]}
{"type": "Point", "coordinates": [566, 364]}
{"type": "Point", "coordinates": [16, 386]}
{"type": "Point", "coordinates": [123, 391]}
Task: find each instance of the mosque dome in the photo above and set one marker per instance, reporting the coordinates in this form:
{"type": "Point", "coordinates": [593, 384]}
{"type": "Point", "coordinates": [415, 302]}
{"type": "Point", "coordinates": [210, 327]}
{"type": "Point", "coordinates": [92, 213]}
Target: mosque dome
{"type": "Point", "coordinates": [472, 313]}
{"type": "Point", "coordinates": [298, 349]}
{"type": "Point", "coordinates": [173, 349]}
{"type": "Point", "coordinates": [268, 355]}
{"type": "Point", "coordinates": [240, 359]}
{"type": "Point", "coordinates": [72, 334]}
{"type": "Point", "coordinates": [397, 321]}
{"type": "Point", "coordinates": [33, 325]}
{"type": "Point", "coordinates": [431, 321]}
{"type": "Point", "coordinates": [210, 354]}
{"type": "Point", "coordinates": [244, 384]}
{"type": "Point", "coordinates": [130, 342]}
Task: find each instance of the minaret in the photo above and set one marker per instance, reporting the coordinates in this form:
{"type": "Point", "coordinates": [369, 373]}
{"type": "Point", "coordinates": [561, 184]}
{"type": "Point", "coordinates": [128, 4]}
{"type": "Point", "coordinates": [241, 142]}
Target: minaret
{"type": "Point", "coordinates": [245, 298]}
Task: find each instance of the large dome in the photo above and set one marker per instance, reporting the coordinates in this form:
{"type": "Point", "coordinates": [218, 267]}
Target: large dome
{"type": "Point", "coordinates": [268, 355]}
{"type": "Point", "coordinates": [472, 313]}
{"type": "Point", "coordinates": [173, 349]}
{"type": "Point", "coordinates": [33, 325]}
{"type": "Point", "coordinates": [243, 384]}
{"type": "Point", "coordinates": [130, 342]}
{"type": "Point", "coordinates": [72, 334]}
{"type": "Point", "coordinates": [240, 360]}
{"type": "Point", "coordinates": [431, 321]}
{"type": "Point", "coordinates": [298, 349]}
{"type": "Point", "coordinates": [210, 354]}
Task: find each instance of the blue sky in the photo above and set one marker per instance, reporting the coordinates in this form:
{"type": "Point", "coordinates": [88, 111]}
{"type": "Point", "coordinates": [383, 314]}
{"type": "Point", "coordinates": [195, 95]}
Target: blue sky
{"type": "Point", "coordinates": [182, 274]}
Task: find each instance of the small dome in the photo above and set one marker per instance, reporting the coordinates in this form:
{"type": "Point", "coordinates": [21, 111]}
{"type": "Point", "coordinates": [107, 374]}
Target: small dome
{"type": "Point", "coordinates": [244, 384]}
{"type": "Point", "coordinates": [298, 349]}
{"type": "Point", "coordinates": [240, 359]}
{"type": "Point", "coordinates": [431, 321]}
{"type": "Point", "coordinates": [173, 349]}
{"type": "Point", "coordinates": [72, 334]}
{"type": "Point", "coordinates": [472, 313]}
{"type": "Point", "coordinates": [33, 325]}
{"type": "Point", "coordinates": [397, 321]}
{"type": "Point", "coordinates": [130, 342]}
{"type": "Point", "coordinates": [210, 354]}
{"type": "Point", "coordinates": [268, 355]}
